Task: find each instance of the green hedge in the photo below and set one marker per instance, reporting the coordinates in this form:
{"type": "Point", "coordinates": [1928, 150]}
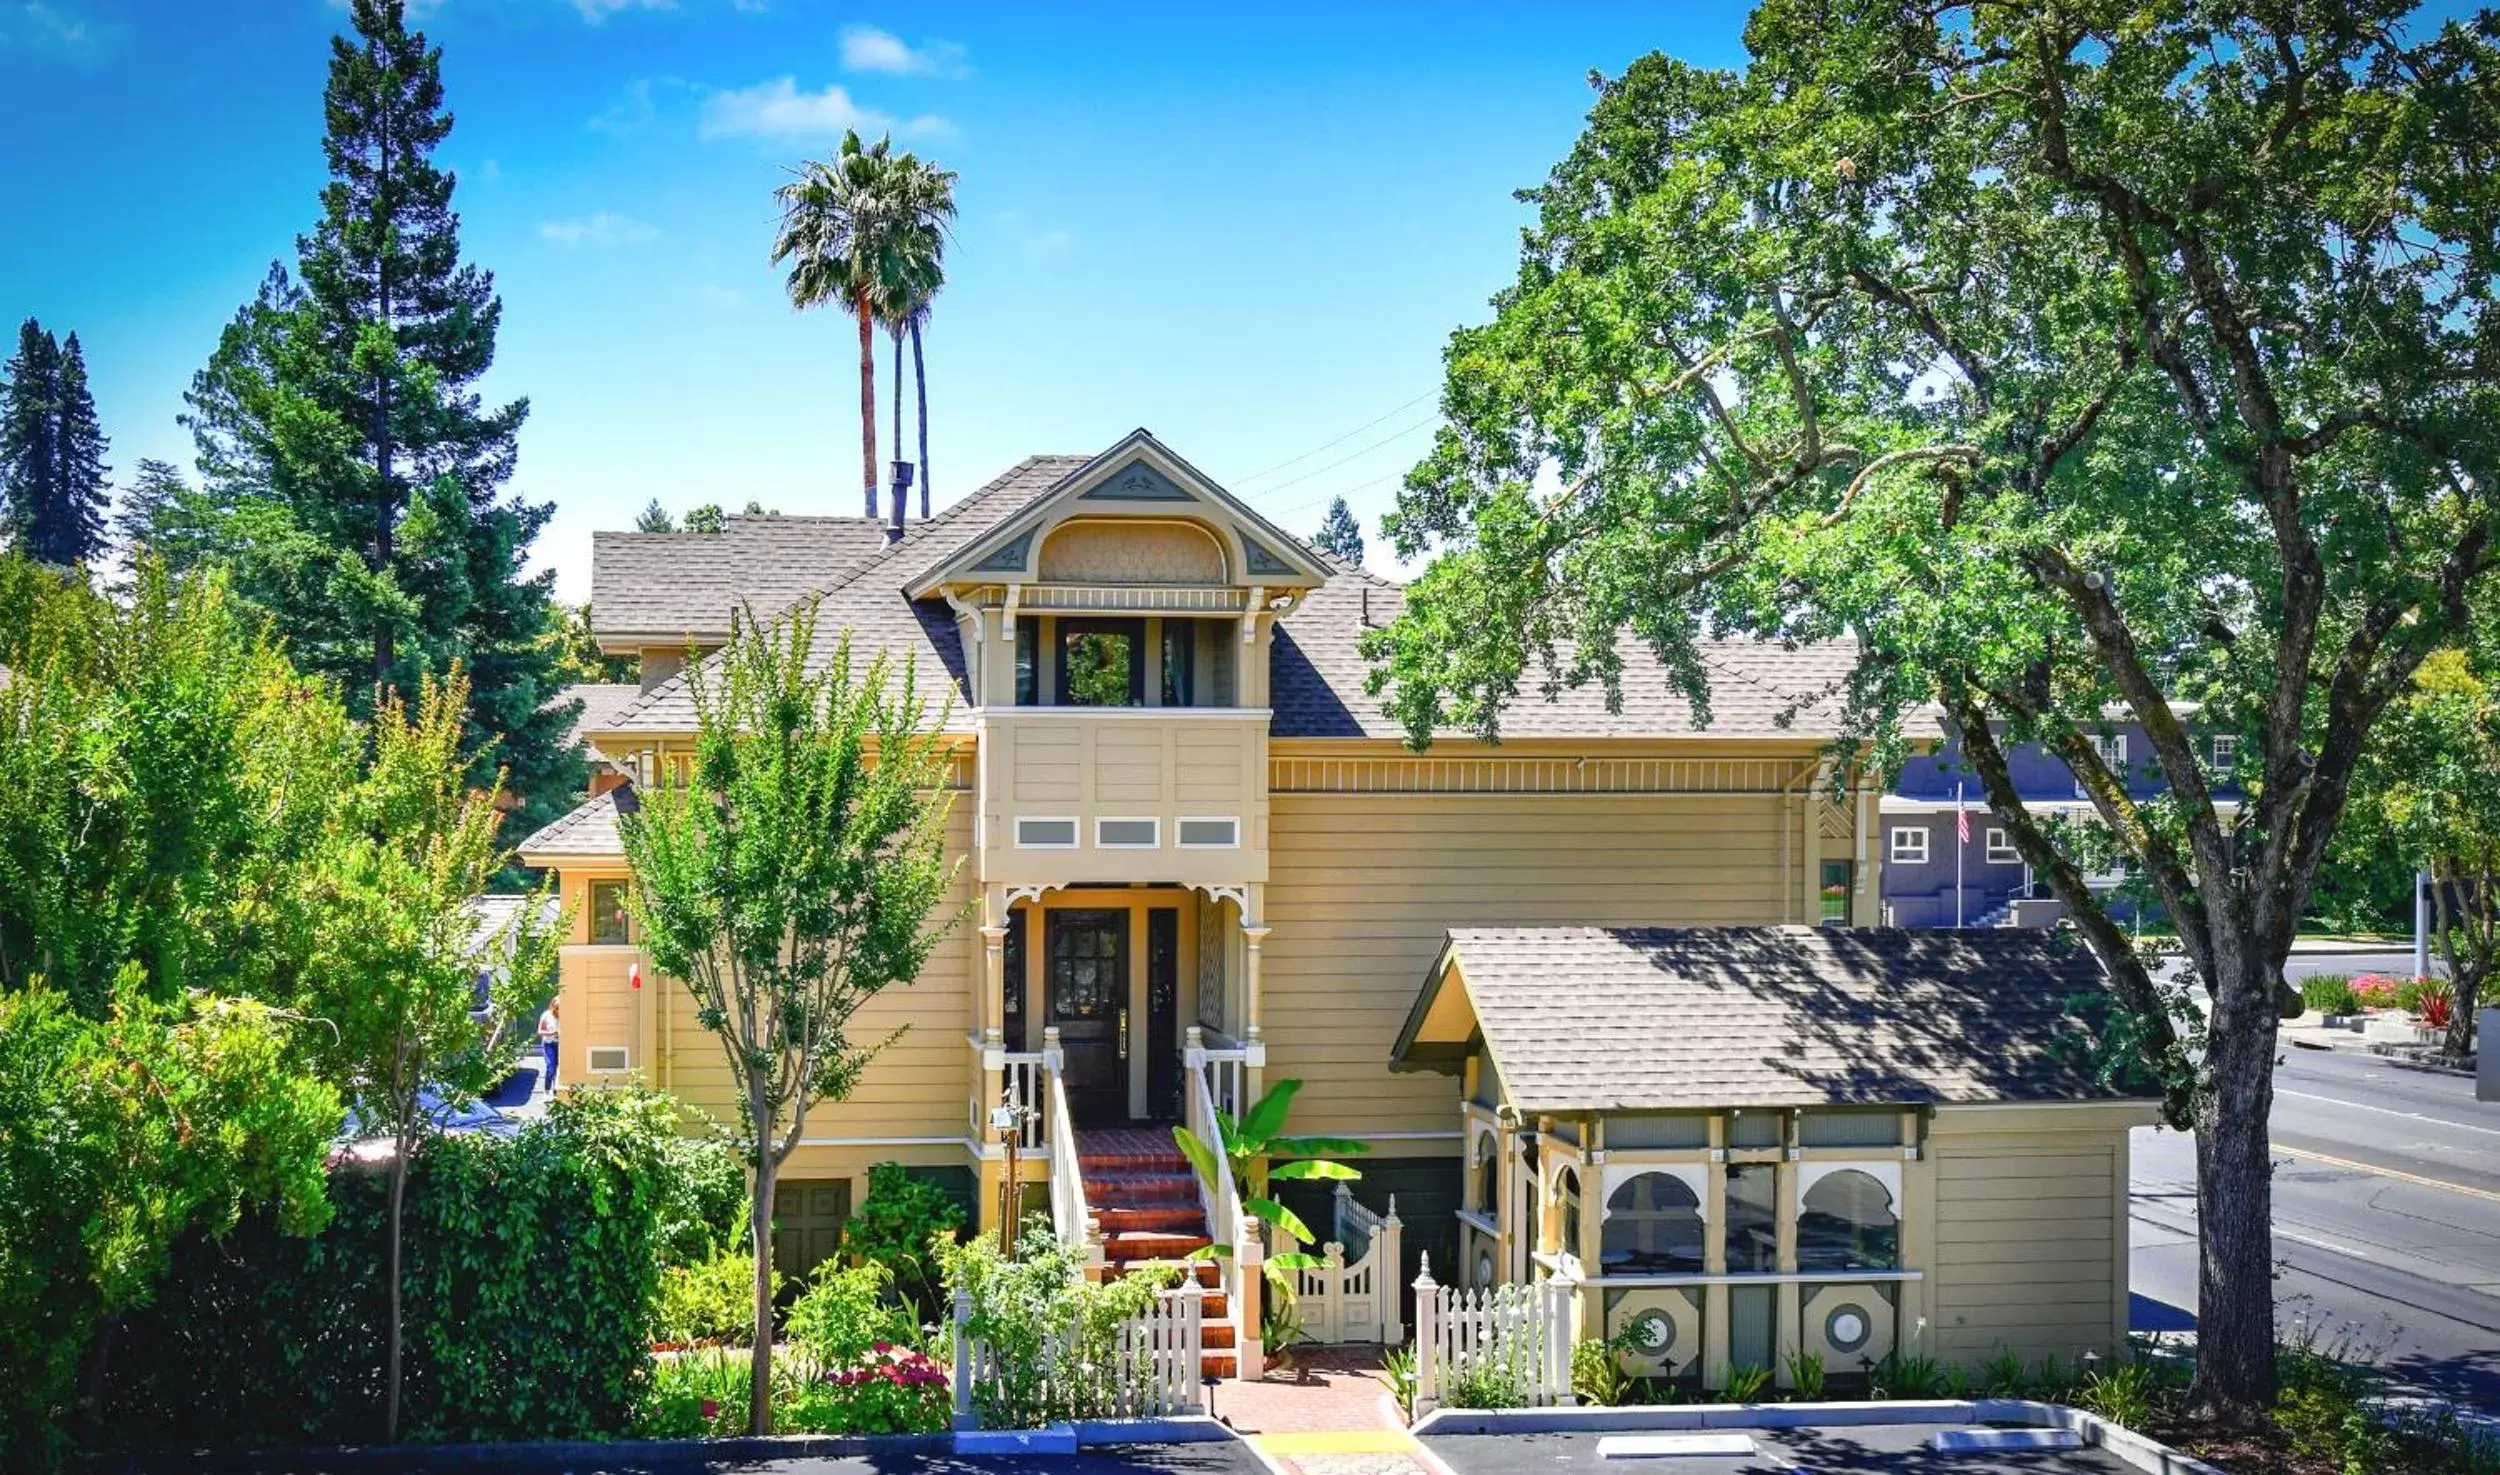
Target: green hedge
{"type": "Point", "coordinates": [531, 1265]}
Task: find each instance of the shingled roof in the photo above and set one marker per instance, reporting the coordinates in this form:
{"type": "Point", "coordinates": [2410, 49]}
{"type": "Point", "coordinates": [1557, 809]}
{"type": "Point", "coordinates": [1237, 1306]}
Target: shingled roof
{"type": "Point", "coordinates": [589, 832]}
{"type": "Point", "coordinates": [1662, 1018]}
{"type": "Point", "coordinates": [679, 586]}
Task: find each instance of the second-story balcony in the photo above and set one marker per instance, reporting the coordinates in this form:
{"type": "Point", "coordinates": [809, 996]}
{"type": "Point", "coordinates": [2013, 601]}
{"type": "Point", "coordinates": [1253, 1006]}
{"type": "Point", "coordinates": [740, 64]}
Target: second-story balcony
{"type": "Point", "coordinates": [1070, 795]}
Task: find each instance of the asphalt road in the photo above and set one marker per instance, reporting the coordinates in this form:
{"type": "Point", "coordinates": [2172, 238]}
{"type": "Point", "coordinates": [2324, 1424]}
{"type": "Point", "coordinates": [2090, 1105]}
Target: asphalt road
{"type": "Point", "coordinates": [1226, 1457]}
{"type": "Point", "coordinates": [2386, 1220]}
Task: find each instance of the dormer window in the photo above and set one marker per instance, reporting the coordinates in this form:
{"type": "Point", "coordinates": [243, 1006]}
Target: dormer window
{"type": "Point", "coordinates": [1102, 663]}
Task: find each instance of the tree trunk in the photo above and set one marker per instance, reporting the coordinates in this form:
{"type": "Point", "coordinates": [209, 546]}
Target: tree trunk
{"type": "Point", "coordinates": [382, 500]}
{"type": "Point", "coordinates": [399, 1196]}
{"type": "Point", "coordinates": [760, 1365]}
{"type": "Point", "coordinates": [867, 402]}
{"type": "Point", "coordinates": [2235, 1374]}
{"type": "Point", "coordinates": [920, 400]}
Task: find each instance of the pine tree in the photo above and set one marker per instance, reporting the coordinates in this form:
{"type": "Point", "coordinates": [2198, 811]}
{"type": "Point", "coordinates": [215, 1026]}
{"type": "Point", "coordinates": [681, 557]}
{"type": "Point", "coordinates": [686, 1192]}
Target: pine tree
{"type": "Point", "coordinates": [654, 518]}
{"type": "Point", "coordinates": [68, 528]}
{"type": "Point", "coordinates": [27, 400]}
{"type": "Point", "coordinates": [1340, 536]}
{"type": "Point", "coordinates": [339, 422]}
{"type": "Point", "coordinates": [52, 492]}
{"type": "Point", "coordinates": [151, 505]}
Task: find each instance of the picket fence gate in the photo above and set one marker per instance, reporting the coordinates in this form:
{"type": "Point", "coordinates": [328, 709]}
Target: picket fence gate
{"type": "Point", "coordinates": [1358, 1301]}
{"type": "Point", "coordinates": [1520, 1334]}
{"type": "Point", "coordinates": [1153, 1369]}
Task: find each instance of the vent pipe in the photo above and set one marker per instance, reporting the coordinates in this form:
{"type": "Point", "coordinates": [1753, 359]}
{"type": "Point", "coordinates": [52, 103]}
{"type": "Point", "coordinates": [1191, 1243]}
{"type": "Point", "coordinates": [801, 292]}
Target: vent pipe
{"type": "Point", "coordinates": [902, 499]}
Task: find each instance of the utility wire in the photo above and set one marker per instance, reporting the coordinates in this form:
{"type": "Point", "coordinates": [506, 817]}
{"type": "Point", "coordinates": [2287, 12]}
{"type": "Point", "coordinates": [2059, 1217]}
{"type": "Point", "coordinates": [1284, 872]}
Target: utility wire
{"type": "Point", "coordinates": [1327, 444]}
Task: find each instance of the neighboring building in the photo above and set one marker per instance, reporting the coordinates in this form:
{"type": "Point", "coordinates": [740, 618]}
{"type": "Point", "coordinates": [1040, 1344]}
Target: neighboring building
{"type": "Point", "coordinates": [1934, 878]}
{"type": "Point", "coordinates": [1752, 1142]}
{"type": "Point", "coordinates": [1198, 859]}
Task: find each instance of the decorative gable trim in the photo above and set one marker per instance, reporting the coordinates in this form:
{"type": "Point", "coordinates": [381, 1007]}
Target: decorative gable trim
{"type": "Point", "coordinates": [1137, 482]}
{"type": "Point", "coordinates": [1139, 472]}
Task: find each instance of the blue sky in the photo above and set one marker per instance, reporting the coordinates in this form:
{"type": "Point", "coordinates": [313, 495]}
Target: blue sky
{"type": "Point", "coordinates": [1249, 228]}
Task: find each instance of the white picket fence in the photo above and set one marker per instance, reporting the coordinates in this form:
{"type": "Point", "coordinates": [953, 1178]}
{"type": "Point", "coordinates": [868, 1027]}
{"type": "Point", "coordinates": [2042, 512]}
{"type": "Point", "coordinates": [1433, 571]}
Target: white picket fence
{"type": "Point", "coordinates": [1516, 1336]}
{"type": "Point", "coordinates": [1356, 1301]}
{"type": "Point", "coordinates": [1152, 1369]}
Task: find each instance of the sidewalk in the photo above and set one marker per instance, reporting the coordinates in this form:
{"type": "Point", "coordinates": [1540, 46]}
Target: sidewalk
{"type": "Point", "coordinates": [1329, 1414]}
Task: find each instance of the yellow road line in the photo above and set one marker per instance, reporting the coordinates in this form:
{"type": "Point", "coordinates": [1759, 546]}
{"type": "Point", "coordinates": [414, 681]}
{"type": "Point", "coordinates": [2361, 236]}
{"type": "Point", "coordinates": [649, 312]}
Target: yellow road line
{"type": "Point", "coordinates": [1338, 1442]}
{"type": "Point", "coordinates": [2375, 1169]}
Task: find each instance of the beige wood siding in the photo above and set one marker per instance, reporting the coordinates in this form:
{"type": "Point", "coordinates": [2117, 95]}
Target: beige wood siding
{"type": "Point", "coordinates": [919, 1088]}
{"type": "Point", "coordinates": [1362, 888]}
{"type": "Point", "coordinates": [2029, 1235]}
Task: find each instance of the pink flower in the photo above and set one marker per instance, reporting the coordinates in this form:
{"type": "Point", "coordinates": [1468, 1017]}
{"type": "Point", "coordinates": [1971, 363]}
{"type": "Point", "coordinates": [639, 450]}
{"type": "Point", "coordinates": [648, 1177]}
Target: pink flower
{"type": "Point", "coordinates": [711, 1409]}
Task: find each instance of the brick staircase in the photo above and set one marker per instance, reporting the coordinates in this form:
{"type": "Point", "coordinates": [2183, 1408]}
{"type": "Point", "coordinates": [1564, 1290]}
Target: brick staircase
{"type": "Point", "coordinates": [1142, 1192]}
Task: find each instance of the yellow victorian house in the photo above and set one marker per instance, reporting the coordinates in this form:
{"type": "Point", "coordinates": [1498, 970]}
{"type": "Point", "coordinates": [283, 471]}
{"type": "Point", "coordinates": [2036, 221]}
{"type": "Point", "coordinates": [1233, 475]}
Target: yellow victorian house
{"type": "Point", "coordinates": [1198, 860]}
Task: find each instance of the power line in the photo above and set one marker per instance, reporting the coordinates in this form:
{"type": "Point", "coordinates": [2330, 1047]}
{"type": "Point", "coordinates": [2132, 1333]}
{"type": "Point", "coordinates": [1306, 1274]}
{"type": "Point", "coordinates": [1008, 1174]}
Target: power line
{"type": "Point", "coordinates": [1356, 455]}
{"type": "Point", "coordinates": [1340, 440]}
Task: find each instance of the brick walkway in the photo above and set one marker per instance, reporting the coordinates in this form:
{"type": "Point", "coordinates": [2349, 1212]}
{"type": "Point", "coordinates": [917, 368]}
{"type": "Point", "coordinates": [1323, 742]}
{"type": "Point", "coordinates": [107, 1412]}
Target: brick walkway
{"type": "Point", "coordinates": [1327, 1414]}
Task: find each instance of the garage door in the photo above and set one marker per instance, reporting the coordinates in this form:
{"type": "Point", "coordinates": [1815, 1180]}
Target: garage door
{"type": "Point", "coordinates": [808, 1214]}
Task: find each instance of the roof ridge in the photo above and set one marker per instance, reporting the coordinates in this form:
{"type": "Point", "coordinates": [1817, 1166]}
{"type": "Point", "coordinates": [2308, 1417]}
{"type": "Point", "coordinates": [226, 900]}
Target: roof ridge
{"type": "Point", "coordinates": [677, 681]}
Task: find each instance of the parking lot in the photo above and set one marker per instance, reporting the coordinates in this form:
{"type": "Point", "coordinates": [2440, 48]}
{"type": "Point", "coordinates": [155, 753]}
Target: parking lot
{"type": "Point", "coordinates": [1901, 1447]}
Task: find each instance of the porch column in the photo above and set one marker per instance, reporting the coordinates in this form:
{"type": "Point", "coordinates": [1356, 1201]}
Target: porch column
{"type": "Point", "coordinates": [1254, 930]}
{"type": "Point", "coordinates": [989, 1074]}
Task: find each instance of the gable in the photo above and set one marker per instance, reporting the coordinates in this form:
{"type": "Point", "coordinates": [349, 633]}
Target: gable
{"type": "Point", "coordinates": [1162, 502]}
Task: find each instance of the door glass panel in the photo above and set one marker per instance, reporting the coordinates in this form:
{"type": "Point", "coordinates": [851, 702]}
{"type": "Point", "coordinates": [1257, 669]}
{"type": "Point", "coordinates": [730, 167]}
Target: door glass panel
{"type": "Point", "coordinates": [1180, 652]}
{"type": "Point", "coordinates": [1102, 663]}
{"type": "Point", "coordinates": [1012, 1002]}
{"type": "Point", "coordinates": [1753, 1229]}
{"type": "Point", "coordinates": [1088, 966]}
{"type": "Point", "coordinates": [1163, 1008]}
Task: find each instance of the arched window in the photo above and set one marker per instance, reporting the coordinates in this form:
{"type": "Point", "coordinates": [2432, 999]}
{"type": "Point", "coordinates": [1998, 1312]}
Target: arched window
{"type": "Point", "coordinates": [1485, 1192]}
{"type": "Point", "coordinates": [1653, 1226]}
{"type": "Point", "coordinates": [1567, 1184]}
{"type": "Point", "coordinates": [1846, 1221]}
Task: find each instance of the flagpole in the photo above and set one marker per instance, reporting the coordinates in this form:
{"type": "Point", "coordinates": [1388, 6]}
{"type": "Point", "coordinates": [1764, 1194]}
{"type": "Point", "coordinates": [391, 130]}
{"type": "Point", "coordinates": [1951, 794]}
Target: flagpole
{"type": "Point", "coordinates": [1961, 845]}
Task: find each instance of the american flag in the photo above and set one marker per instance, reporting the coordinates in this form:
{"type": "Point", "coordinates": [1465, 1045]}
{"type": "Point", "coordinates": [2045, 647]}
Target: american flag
{"type": "Point", "coordinates": [1961, 814]}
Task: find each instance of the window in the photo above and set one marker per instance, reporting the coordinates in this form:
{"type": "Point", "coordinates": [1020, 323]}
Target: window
{"type": "Point", "coordinates": [2113, 754]}
{"type": "Point", "coordinates": [1045, 834]}
{"type": "Point", "coordinates": [2001, 851]}
{"type": "Point", "coordinates": [1835, 891]}
{"type": "Point", "coordinates": [1209, 834]}
{"type": "Point", "coordinates": [1102, 663]}
{"type": "Point", "coordinates": [1909, 845]}
{"type": "Point", "coordinates": [1128, 834]}
{"type": "Point", "coordinates": [1180, 662]}
{"type": "Point", "coordinates": [1653, 1227]}
{"type": "Point", "coordinates": [1028, 662]}
{"type": "Point", "coordinates": [609, 922]}
{"type": "Point", "coordinates": [1753, 1218]}
{"type": "Point", "coordinates": [1568, 1220]}
{"type": "Point", "coordinates": [1846, 1222]}
{"type": "Point", "coordinates": [1011, 986]}
{"type": "Point", "coordinates": [2226, 752]}
{"type": "Point", "coordinates": [607, 1060]}
{"type": "Point", "coordinates": [1485, 1182]}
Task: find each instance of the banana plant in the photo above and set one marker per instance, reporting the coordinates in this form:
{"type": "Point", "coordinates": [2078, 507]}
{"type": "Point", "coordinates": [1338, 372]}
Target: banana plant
{"type": "Point", "coordinates": [1249, 1141]}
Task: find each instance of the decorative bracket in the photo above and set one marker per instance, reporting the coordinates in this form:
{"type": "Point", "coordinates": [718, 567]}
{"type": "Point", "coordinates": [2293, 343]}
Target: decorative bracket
{"type": "Point", "coordinates": [1240, 895]}
{"type": "Point", "coordinates": [1028, 893]}
{"type": "Point", "coordinates": [1250, 614]}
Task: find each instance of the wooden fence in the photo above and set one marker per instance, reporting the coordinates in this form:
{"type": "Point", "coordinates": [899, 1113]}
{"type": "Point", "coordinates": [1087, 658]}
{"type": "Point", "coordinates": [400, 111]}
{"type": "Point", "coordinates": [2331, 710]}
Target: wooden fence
{"type": "Point", "coordinates": [1151, 1370]}
{"type": "Point", "coordinates": [1509, 1344]}
{"type": "Point", "coordinates": [1357, 1301]}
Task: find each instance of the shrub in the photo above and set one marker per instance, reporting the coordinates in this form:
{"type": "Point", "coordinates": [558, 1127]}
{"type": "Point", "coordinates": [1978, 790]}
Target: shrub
{"type": "Point", "coordinates": [2125, 1395]}
{"type": "Point", "coordinates": [529, 1279]}
{"type": "Point", "coordinates": [2378, 990]}
{"type": "Point", "coordinates": [2329, 993]}
{"type": "Point", "coordinates": [711, 1302]}
{"type": "Point", "coordinates": [1745, 1382]}
{"type": "Point", "coordinates": [889, 1389]}
{"type": "Point", "coordinates": [1805, 1376]}
{"type": "Point", "coordinates": [1597, 1376]}
{"type": "Point", "coordinates": [703, 1200]}
{"type": "Point", "coordinates": [893, 1227]}
{"type": "Point", "coordinates": [1914, 1377]}
{"type": "Point", "coordinates": [1397, 1369]}
{"type": "Point", "coordinates": [695, 1395]}
{"type": "Point", "coordinates": [1049, 1330]}
{"type": "Point", "coordinates": [1486, 1382]}
{"type": "Point", "coordinates": [847, 1312]}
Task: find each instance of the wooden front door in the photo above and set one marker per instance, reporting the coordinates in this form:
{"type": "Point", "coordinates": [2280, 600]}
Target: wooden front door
{"type": "Point", "coordinates": [1087, 966]}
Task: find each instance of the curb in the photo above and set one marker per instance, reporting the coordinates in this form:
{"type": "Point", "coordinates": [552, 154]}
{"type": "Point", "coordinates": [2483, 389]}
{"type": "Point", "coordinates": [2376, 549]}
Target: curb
{"type": "Point", "coordinates": [426, 1459]}
{"type": "Point", "coordinates": [2136, 1450]}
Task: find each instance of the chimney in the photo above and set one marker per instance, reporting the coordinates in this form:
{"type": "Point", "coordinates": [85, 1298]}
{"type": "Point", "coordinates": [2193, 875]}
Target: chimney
{"type": "Point", "coordinates": [902, 497]}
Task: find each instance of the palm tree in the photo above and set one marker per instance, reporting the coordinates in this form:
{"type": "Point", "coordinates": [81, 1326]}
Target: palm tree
{"type": "Point", "coordinates": [924, 201]}
{"type": "Point", "coordinates": [838, 232]}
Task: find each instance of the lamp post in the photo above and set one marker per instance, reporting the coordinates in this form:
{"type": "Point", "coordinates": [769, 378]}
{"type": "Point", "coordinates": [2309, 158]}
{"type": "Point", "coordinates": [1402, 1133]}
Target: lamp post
{"type": "Point", "coordinates": [1007, 1120]}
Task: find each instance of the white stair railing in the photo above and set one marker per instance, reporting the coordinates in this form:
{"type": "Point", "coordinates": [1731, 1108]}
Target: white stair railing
{"type": "Point", "coordinates": [1070, 1218]}
{"type": "Point", "coordinates": [1227, 1225]}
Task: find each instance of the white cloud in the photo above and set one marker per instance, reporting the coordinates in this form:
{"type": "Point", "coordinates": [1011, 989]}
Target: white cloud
{"type": "Point", "coordinates": [868, 49]}
{"type": "Point", "coordinates": [629, 114]}
{"type": "Point", "coordinates": [778, 109]}
{"type": "Point", "coordinates": [55, 27]}
{"type": "Point", "coordinates": [597, 11]}
{"type": "Point", "coordinates": [601, 229]}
